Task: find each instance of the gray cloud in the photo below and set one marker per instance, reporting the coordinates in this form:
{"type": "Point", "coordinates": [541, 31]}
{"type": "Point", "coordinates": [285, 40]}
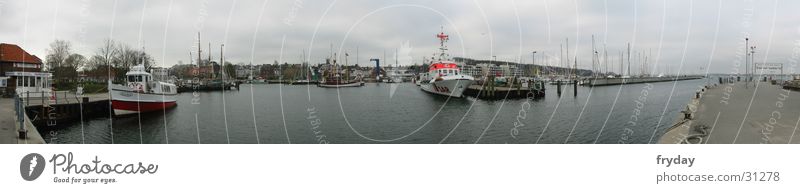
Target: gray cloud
{"type": "Point", "coordinates": [481, 29]}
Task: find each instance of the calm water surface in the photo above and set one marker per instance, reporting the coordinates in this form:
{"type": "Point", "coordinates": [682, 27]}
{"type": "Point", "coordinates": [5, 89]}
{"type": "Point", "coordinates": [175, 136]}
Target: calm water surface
{"type": "Point", "coordinates": [398, 113]}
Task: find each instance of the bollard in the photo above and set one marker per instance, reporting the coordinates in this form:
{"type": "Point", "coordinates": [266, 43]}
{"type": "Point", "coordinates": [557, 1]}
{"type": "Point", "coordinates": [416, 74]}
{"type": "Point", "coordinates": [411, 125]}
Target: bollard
{"type": "Point", "coordinates": [558, 83]}
{"type": "Point", "coordinates": [575, 86]}
{"type": "Point", "coordinates": [697, 95]}
{"type": "Point", "coordinates": [23, 134]}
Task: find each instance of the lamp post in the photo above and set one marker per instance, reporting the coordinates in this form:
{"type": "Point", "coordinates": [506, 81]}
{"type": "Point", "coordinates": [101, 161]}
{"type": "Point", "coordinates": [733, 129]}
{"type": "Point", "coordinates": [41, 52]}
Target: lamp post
{"type": "Point", "coordinates": [746, 61]}
{"type": "Point", "coordinates": [752, 61]}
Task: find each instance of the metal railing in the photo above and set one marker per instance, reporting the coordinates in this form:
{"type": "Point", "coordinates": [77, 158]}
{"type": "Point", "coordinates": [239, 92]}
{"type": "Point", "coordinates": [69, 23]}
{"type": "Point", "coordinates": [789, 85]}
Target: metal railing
{"type": "Point", "coordinates": [19, 109]}
{"type": "Point", "coordinates": [54, 97]}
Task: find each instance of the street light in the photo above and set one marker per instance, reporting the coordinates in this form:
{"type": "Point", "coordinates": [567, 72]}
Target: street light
{"type": "Point", "coordinates": [752, 61]}
{"type": "Point", "coordinates": [746, 61]}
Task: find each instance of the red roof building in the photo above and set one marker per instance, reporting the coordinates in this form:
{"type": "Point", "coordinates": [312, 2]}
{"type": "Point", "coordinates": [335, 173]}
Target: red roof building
{"type": "Point", "coordinates": [20, 69]}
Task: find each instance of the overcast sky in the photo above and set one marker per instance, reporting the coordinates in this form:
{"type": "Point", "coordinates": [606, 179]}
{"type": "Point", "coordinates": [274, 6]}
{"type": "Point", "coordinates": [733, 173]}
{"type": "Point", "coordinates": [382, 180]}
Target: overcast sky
{"type": "Point", "coordinates": [693, 33]}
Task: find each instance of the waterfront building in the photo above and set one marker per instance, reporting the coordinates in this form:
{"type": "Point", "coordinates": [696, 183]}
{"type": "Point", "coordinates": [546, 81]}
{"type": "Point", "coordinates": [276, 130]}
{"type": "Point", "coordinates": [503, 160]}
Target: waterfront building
{"type": "Point", "coordinates": [21, 72]}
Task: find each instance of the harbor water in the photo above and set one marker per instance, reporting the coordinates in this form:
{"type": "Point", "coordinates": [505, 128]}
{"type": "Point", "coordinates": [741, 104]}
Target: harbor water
{"type": "Point", "coordinates": [394, 113]}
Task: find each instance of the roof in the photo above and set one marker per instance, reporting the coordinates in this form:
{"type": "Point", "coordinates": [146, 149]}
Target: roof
{"type": "Point", "coordinates": [13, 53]}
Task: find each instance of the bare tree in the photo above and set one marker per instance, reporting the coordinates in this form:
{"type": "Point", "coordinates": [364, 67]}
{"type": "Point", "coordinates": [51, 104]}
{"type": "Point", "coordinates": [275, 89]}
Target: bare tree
{"type": "Point", "coordinates": [106, 52]}
{"type": "Point", "coordinates": [75, 61]}
{"type": "Point", "coordinates": [95, 62]}
{"type": "Point", "coordinates": [57, 53]}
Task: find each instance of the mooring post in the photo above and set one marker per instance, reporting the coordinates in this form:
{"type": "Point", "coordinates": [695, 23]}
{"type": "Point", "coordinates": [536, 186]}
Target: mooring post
{"type": "Point", "coordinates": [23, 133]}
{"type": "Point", "coordinates": [558, 84]}
{"type": "Point", "coordinates": [575, 86]}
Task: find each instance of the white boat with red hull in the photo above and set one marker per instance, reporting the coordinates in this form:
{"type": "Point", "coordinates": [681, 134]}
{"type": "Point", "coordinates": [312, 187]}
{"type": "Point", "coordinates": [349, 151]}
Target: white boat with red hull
{"type": "Point", "coordinates": [443, 76]}
{"type": "Point", "coordinates": [141, 93]}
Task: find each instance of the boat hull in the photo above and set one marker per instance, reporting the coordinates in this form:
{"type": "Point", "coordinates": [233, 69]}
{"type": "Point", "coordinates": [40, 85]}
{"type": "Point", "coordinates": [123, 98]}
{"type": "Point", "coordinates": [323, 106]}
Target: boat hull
{"type": "Point", "coordinates": [125, 101]}
{"type": "Point", "coordinates": [122, 108]}
{"type": "Point", "coordinates": [451, 88]}
{"type": "Point", "coordinates": [354, 84]}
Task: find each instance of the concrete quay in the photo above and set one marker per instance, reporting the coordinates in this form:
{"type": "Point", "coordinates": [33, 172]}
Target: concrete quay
{"type": "Point", "coordinates": [9, 126]}
{"type": "Point", "coordinates": [739, 113]}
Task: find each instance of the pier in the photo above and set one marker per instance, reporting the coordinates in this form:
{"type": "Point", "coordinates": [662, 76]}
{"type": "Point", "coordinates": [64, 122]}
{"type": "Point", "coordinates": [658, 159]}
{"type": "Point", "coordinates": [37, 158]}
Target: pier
{"type": "Point", "coordinates": [637, 80]}
{"type": "Point", "coordinates": [515, 90]}
{"type": "Point", "coordinates": [65, 107]}
{"type": "Point", "coordinates": [738, 112]}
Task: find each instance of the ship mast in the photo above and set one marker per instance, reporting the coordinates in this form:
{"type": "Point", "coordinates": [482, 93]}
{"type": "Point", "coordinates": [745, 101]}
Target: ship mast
{"type": "Point", "coordinates": [442, 39]}
{"type": "Point", "coordinates": [198, 49]}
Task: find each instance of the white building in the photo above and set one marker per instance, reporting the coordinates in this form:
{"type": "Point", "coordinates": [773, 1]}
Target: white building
{"type": "Point", "coordinates": [159, 73]}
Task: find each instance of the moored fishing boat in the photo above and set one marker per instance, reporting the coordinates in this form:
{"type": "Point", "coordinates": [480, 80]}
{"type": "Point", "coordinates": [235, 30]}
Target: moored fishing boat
{"type": "Point", "coordinates": [335, 78]}
{"type": "Point", "coordinates": [141, 93]}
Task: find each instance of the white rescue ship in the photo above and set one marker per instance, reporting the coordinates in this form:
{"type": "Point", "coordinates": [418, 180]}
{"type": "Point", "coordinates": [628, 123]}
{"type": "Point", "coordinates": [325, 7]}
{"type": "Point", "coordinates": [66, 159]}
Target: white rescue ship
{"type": "Point", "coordinates": [444, 76]}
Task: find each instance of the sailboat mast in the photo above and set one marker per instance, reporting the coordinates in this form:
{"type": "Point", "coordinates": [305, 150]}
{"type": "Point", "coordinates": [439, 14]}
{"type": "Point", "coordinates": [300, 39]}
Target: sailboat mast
{"type": "Point", "coordinates": [561, 57]}
{"type": "Point", "coordinates": [629, 59]}
{"type": "Point", "coordinates": [594, 53]}
{"type": "Point", "coordinates": [221, 61]}
{"type": "Point", "coordinates": [198, 49]}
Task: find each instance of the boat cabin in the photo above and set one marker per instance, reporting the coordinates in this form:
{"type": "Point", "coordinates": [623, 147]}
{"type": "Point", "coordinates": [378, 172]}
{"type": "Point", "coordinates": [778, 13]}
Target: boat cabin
{"type": "Point", "coordinates": [141, 81]}
{"type": "Point", "coordinates": [444, 69]}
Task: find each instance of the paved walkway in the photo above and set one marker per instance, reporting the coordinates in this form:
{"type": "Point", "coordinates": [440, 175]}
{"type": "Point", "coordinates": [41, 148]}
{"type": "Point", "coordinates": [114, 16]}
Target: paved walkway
{"type": "Point", "coordinates": [743, 114]}
{"type": "Point", "coordinates": [8, 126]}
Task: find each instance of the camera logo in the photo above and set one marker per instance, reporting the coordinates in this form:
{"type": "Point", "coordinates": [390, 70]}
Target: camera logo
{"type": "Point", "coordinates": [31, 166]}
